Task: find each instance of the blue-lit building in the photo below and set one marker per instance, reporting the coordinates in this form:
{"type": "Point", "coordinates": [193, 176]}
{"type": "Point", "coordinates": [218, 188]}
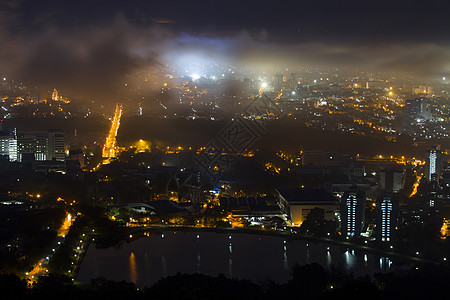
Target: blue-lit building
{"type": "Point", "coordinates": [386, 217]}
{"type": "Point", "coordinates": [352, 213]}
{"type": "Point", "coordinates": [433, 167]}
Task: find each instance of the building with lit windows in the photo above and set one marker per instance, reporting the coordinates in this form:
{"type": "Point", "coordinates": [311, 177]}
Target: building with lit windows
{"type": "Point", "coordinates": [43, 145]}
{"type": "Point", "coordinates": [419, 109]}
{"type": "Point", "coordinates": [386, 217]}
{"type": "Point", "coordinates": [352, 213]}
{"type": "Point", "coordinates": [433, 166]}
{"type": "Point", "coordinates": [56, 148]}
{"type": "Point", "coordinates": [8, 145]}
{"type": "Point", "coordinates": [32, 143]}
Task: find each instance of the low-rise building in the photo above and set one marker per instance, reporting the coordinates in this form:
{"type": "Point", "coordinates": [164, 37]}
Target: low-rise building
{"type": "Point", "coordinates": [296, 203]}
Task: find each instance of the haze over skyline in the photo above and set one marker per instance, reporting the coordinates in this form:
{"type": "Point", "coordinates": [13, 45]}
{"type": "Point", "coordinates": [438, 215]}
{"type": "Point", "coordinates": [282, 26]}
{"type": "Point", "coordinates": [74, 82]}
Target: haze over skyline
{"type": "Point", "coordinates": [49, 43]}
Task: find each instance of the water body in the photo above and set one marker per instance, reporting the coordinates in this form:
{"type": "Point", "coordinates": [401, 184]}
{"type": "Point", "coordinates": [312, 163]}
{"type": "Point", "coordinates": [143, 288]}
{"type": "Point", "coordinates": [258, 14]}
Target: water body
{"type": "Point", "coordinates": [146, 260]}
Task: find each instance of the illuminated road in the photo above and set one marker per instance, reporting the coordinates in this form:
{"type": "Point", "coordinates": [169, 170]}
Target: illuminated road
{"type": "Point", "coordinates": [64, 229]}
{"type": "Point", "coordinates": [40, 268]}
{"type": "Point", "coordinates": [109, 149]}
{"type": "Point", "coordinates": [416, 185]}
{"type": "Point", "coordinates": [37, 270]}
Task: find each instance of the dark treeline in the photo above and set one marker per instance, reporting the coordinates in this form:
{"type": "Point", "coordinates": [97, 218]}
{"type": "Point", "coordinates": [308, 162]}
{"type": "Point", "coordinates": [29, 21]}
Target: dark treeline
{"type": "Point", "coordinates": [307, 282]}
{"type": "Point", "coordinates": [94, 126]}
{"type": "Point", "coordinates": [288, 135]}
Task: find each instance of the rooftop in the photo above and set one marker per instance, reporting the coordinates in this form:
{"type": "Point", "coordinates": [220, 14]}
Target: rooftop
{"type": "Point", "coordinates": [306, 195]}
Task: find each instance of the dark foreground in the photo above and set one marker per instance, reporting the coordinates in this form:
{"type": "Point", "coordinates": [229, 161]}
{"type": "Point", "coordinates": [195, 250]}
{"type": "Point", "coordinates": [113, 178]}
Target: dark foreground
{"type": "Point", "coordinates": [308, 282]}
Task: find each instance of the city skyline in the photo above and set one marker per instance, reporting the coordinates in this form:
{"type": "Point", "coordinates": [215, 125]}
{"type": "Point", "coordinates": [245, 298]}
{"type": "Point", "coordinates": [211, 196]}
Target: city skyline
{"type": "Point", "coordinates": [257, 149]}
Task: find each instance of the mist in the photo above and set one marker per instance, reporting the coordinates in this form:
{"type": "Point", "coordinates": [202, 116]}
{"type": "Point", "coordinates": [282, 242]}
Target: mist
{"type": "Point", "coordinates": [93, 62]}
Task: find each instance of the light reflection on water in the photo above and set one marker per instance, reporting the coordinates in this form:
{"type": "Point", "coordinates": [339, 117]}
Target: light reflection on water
{"type": "Point", "coordinates": [198, 262]}
{"type": "Point", "coordinates": [133, 269]}
{"type": "Point", "coordinates": [285, 258]}
{"type": "Point", "coordinates": [385, 263]}
{"type": "Point", "coordinates": [249, 256]}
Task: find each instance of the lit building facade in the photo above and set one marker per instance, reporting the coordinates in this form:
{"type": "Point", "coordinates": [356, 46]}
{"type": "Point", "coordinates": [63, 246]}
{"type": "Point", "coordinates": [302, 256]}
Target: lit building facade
{"type": "Point", "coordinates": [433, 165]}
{"type": "Point", "coordinates": [32, 143]}
{"type": "Point", "coordinates": [386, 217]}
{"type": "Point", "coordinates": [352, 213]}
{"type": "Point", "coordinates": [296, 204]}
{"type": "Point", "coordinates": [43, 145]}
{"type": "Point", "coordinates": [8, 144]}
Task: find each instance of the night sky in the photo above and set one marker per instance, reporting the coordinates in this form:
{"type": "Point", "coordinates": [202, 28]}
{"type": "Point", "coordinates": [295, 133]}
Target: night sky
{"type": "Point", "coordinates": [290, 21]}
{"type": "Point", "coordinates": [58, 42]}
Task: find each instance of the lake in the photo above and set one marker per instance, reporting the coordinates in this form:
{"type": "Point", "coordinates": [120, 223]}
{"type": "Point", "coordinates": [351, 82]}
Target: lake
{"type": "Point", "coordinates": [145, 260]}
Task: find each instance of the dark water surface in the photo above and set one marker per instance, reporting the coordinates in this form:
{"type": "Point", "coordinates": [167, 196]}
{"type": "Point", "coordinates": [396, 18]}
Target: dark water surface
{"type": "Point", "coordinates": [144, 261]}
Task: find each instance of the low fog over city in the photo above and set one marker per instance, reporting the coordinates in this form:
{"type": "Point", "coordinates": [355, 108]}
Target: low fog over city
{"type": "Point", "coordinates": [193, 148]}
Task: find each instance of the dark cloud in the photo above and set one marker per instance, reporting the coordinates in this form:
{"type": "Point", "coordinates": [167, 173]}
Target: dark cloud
{"type": "Point", "coordinates": [94, 69]}
{"type": "Point", "coordinates": [88, 48]}
{"type": "Point", "coordinates": [92, 62]}
{"type": "Point", "coordinates": [419, 59]}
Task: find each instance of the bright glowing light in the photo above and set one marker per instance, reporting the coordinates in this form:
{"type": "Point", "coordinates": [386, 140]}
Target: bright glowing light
{"type": "Point", "coordinates": [443, 78]}
{"type": "Point", "coordinates": [264, 85]}
{"type": "Point", "coordinates": [195, 76]}
{"type": "Point", "coordinates": [109, 149]}
{"type": "Point", "coordinates": [293, 93]}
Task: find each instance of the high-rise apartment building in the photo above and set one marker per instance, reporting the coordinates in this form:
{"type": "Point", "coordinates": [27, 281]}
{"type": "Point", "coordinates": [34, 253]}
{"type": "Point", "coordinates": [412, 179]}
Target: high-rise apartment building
{"type": "Point", "coordinates": [433, 166]}
{"type": "Point", "coordinates": [386, 217]}
{"type": "Point", "coordinates": [352, 213]}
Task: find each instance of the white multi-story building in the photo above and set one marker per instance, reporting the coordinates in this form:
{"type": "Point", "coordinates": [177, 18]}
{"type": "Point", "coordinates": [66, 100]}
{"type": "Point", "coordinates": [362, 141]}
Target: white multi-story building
{"type": "Point", "coordinates": [8, 144]}
{"type": "Point", "coordinates": [433, 164]}
{"type": "Point", "coordinates": [387, 209]}
{"type": "Point", "coordinates": [352, 213]}
{"type": "Point", "coordinates": [42, 145]}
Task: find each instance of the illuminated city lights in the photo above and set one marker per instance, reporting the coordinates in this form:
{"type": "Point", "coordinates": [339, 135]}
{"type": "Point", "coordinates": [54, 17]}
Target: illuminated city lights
{"type": "Point", "coordinates": [268, 142]}
{"type": "Point", "coordinates": [109, 149]}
